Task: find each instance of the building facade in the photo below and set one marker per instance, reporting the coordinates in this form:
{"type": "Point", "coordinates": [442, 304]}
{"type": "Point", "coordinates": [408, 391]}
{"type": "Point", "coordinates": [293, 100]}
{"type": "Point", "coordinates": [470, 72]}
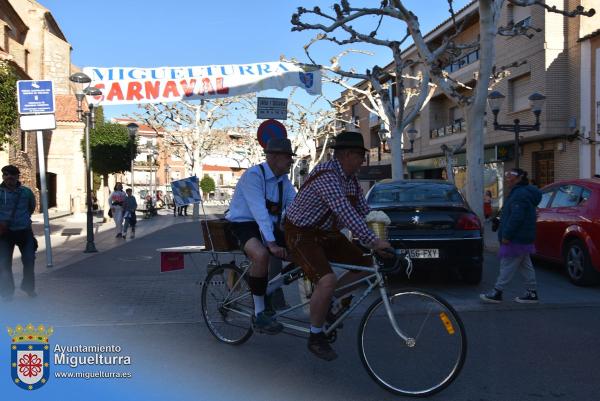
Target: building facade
{"type": "Point", "coordinates": [589, 130]}
{"type": "Point", "coordinates": [31, 40]}
{"type": "Point", "coordinates": [552, 67]}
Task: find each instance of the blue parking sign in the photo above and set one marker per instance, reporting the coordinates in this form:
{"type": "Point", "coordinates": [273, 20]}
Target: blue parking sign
{"type": "Point", "coordinates": [35, 97]}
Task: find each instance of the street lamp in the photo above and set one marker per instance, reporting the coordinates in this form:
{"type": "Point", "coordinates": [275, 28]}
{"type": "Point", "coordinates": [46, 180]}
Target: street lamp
{"type": "Point", "coordinates": [384, 136]}
{"type": "Point", "coordinates": [536, 101]}
{"type": "Point", "coordinates": [151, 157]}
{"type": "Point", "coordinates": [88, 117]}
{"type": "Point", "coordinates": [133, 129]}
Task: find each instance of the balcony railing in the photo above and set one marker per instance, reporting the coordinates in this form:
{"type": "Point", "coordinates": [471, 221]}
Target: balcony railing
{"type": "Point", "coordinates": [463, 61]}
{"type": "Point", "coordinates": [459, 127]}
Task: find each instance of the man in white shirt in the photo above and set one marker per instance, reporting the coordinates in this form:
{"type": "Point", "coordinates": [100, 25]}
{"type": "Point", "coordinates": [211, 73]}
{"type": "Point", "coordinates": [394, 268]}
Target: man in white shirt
{"type": "Point", "coordinates": [258, 204]}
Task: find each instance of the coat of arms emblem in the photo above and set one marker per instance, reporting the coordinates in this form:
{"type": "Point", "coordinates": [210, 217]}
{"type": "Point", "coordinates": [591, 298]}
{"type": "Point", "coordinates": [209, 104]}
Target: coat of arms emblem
{"type": "Point", "coordinates": [307, 79]}
{"type": "Point", "coordinates": [30, 355]}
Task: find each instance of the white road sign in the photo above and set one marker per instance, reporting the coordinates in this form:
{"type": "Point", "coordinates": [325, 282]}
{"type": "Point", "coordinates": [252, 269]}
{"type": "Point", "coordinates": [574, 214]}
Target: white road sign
{"type": "Point", "coordinates": [271, 107]}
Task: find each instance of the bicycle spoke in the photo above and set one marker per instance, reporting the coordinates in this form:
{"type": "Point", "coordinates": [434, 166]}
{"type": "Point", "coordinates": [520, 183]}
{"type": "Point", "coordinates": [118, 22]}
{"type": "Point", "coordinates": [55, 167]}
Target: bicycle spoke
{"type": "Point", "coordinates": [226, 305]}
{"type": "Point", "coordinates": [419, 367]}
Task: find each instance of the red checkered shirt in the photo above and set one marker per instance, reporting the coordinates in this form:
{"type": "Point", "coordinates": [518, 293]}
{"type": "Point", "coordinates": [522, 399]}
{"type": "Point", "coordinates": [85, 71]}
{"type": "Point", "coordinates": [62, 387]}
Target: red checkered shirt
{"type": "Point", "coordinates": [328, 192]}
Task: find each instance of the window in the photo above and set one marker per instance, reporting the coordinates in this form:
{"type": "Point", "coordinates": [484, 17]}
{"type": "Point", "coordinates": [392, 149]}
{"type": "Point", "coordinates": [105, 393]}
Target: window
{"type": "Point", "coordinates": [519, 92]}
{"type": "Point", "coordinates": [546, 196]}
{"type": "Point", "coordinates": [414, 194]}
{"type": "Point", "coordinates": [567, 196]}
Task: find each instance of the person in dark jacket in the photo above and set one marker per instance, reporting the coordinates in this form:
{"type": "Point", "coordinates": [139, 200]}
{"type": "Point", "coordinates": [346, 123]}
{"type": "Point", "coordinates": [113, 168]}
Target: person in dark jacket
{"type": "Point", "coordinates": [17, 203]}
{"type": "Point", "coordinates": [516, 235]}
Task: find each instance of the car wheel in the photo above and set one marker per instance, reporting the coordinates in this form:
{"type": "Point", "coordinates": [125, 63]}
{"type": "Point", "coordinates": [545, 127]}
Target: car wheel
{"type": "Point", "coordinates": [472, 274]}
{"type": "Point", "coordinates": [578, 264]}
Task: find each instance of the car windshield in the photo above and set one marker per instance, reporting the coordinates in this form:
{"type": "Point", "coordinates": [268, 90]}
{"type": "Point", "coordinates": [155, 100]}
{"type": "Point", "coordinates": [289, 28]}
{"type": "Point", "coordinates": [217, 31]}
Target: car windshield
{"type": "Point", "coordinates": [411, 194]}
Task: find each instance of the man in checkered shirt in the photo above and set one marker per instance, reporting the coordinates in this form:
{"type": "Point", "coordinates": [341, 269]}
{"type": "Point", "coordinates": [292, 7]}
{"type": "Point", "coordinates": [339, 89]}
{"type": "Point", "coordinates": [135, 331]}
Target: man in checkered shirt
{"type": "Point", "coordinates": [330, 199]}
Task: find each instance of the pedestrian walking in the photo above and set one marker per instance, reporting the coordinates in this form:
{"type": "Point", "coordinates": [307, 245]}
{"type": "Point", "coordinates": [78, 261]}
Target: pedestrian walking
{"type": "Point", "coordinates": [17, 203]}
{"type": "Point", "coordinates": [129, 218]}
{"type": "Point", "coordinates": [516, 235]}
{"type": "Point", "coordinates": [116, 201]}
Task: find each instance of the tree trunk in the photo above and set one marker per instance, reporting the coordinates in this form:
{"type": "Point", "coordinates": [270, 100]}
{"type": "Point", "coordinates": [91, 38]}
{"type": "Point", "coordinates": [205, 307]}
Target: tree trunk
{"type": "Point", "coordinates": [396, 153]}
{"type": "Point", "coordinates": [475, 116]}
{"type": "Point", "coordinates": [449, 165]}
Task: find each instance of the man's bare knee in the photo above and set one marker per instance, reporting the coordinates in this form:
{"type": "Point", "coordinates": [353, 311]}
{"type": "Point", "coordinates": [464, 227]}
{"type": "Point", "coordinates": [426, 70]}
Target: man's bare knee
{"type": "Point", "coordinates": [259, 256]}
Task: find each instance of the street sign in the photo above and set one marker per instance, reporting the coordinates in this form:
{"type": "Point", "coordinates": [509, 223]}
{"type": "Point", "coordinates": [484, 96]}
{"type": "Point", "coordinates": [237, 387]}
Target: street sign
{"type": "Point", "coordinates": [270, 129]}
{"type": "Point", "coordinates": [271, 107]}
{"type": "Point", "coordinates": [36, 122]}
{"type": "Point", "coordinates": [35, 97]}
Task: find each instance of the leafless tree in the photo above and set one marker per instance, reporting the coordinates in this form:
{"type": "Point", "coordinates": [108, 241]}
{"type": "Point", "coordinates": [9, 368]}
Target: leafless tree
{"type": "Point", "coordinates": [432, 59]}
{"type": "Point", "coordinates": [386, 93]}
{"type": "Point", "coordinates": [189, 127]}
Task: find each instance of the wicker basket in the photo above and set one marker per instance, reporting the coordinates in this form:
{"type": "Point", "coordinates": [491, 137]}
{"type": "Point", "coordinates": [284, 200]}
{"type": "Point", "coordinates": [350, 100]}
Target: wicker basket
{"type": "Point", "coordinates": [380, 229]}
{"type": "Point", "coordinates": [220, 234]}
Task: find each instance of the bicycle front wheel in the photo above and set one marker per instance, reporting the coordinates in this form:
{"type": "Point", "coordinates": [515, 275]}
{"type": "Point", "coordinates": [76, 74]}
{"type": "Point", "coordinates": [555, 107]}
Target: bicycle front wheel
{"type": "Point", "coordinates": [429, 360]}
{"type": "Point", "coordinates": [227, 305]}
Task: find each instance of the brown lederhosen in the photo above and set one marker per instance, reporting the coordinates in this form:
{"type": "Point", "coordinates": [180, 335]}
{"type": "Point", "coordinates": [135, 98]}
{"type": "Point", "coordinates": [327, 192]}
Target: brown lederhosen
{"type": "Point", "coordinates": [313, 248]}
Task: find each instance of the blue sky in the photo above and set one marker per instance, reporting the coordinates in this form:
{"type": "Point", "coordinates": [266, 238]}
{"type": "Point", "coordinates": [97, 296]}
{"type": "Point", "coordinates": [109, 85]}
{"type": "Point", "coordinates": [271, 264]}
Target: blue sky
{"type": "Point", "coordinates": [153, 33]}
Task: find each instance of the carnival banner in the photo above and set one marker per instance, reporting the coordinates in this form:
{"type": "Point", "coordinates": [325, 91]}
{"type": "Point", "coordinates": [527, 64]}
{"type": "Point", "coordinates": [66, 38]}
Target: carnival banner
{"type": "Point", "coordinates": [130, 85]}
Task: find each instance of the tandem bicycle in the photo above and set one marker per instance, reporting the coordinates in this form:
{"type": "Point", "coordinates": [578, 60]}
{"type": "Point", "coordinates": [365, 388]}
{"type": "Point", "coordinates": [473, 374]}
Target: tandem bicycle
{"type": "Point", "coordinates": [411, 342]}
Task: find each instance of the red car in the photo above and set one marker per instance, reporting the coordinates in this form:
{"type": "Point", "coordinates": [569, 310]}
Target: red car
{"type": "Point", "coordinates": [568, 228]}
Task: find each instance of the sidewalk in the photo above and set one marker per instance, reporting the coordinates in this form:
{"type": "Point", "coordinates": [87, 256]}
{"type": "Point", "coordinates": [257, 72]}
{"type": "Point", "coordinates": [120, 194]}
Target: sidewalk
{"type": "Point", "coordinates": [68, 236]}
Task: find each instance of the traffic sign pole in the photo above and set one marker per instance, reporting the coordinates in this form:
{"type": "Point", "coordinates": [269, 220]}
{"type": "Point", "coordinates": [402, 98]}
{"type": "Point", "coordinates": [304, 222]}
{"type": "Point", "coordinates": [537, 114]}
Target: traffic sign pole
{"type": "Point", "coordinates": [35, 100]}
{"type": "Point", "coordinates": [44, 196]}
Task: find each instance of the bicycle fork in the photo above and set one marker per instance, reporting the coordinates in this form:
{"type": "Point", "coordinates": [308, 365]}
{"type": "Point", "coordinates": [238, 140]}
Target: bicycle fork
{"type": "Point", "coordinates": [410, 342]}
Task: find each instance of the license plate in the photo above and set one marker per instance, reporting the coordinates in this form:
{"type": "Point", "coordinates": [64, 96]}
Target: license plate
{"type": "Point", "coordinates": [424, 253]}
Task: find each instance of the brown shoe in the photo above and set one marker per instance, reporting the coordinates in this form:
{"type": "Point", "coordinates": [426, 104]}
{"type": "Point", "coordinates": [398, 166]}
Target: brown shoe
{"type": "Point", "coordinates": [319, 345]}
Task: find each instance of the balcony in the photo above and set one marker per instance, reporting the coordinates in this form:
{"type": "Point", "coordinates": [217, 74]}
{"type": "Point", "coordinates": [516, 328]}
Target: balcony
{"type": "Point", "coordinates": [462, 62]}
{"type": "Point", "coordinates": [459, 127]}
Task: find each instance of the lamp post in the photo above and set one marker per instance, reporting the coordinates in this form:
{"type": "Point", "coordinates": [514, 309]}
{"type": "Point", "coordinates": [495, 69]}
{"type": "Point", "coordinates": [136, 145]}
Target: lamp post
{"type": "Point", "coordinates": [92, 94]}
{"type": "Point", "coordinates": [151, 158]}
{"type": "Point", "coordinates": [133, 129]}
{"type": "Point", "coordinates": [384, 135]}
{"type": "Point", "coordinates": [536, 101]}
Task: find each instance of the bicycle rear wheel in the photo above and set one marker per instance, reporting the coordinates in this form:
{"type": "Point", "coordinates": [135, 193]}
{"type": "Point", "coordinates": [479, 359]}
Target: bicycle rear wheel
{"type": "Point", "coordinates": [227, 305]}
{"type": "Point", "coordinates": [401, 367]}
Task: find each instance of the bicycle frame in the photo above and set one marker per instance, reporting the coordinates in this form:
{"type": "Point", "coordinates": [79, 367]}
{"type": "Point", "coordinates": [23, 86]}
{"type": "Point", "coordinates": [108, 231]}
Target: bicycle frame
{"type": "Point", "coordinates": [375, 279]}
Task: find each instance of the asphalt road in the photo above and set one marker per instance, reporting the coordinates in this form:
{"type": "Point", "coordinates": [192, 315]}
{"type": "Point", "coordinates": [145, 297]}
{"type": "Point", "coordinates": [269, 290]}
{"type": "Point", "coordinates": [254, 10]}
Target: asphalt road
{"type": "Point", "coordinates": [542, 352]}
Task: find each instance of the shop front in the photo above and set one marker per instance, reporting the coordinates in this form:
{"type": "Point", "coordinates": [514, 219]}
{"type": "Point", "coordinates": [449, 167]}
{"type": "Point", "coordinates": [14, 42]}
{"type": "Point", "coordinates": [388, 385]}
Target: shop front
{"type": "Point", "coordinates": [435, 168]}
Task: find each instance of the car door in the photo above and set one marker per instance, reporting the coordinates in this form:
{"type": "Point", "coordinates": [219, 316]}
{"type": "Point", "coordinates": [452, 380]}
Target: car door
{"type": "Point", "coordinates": [565, 207]}
{"type": "Point", "coordinates": [544, 218]}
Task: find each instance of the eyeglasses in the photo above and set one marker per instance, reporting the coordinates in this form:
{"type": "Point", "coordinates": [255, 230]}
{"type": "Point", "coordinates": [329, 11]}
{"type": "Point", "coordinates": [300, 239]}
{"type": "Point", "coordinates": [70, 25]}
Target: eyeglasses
{"type": "Point", "coordinates": [511, 173]}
